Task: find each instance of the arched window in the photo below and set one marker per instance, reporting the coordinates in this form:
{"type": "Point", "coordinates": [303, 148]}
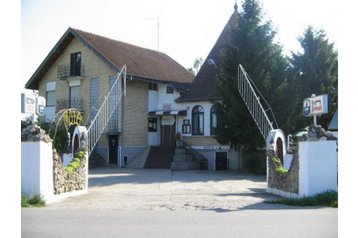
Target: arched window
{"type": "Point", "coordinates": [213, 120]}
{"type": "Point", "coordinates": [197, 118]}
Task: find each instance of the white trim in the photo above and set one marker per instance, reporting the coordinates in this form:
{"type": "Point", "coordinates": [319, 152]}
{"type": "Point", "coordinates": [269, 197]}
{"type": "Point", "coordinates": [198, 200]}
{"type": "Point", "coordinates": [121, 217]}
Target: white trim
{"type": "Point", "coordinates": [174, 112]}
{"type": "Point", "coordinates": [215, 148]}
{"type": "Point", "coordinates": [74, 82]}
{"type": "Point", "coordinates": [159, 112]}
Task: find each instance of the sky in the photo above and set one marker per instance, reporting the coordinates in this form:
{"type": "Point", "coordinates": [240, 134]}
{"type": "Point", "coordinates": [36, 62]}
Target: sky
{"type": "Point", "coordinates": [188, 29]}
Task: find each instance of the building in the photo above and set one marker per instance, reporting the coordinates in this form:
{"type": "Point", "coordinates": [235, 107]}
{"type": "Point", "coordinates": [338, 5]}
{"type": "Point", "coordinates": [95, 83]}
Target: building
{"type": "Point", "coordinates": [163, 102]}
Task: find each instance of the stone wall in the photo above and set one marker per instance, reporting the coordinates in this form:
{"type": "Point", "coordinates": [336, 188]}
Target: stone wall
{"type": "Point", "coordinates": [287, 182]}
{"type": "Point", "coordinates": [67, 182]}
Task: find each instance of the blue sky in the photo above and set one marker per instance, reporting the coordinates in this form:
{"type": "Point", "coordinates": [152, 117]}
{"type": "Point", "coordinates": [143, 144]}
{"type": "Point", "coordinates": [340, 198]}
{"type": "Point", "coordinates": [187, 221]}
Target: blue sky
{"type": "Point", "coordinates": [187, 29]}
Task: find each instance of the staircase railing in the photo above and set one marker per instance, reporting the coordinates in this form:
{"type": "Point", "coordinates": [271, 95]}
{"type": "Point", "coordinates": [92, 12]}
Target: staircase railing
{"type": "Point", "coordinates": [248, 92]}
{"type": "Point", "coordinates": [108, 106]}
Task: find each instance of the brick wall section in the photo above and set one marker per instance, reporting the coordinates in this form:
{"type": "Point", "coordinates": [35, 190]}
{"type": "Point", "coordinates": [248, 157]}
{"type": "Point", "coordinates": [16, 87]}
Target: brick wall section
{"type": "Point", "coordinates": [94, 67]}
{"type": "Point", "coordinates": [136, 114]}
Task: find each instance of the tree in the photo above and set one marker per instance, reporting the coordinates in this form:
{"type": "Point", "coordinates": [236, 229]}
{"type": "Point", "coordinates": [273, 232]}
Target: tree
{"type": "Point", "coordinates": [252, 45]}
{"type": "Point", "coordinates": [315, 71]}
{"type": "Point", "coordinates": [198, 62]}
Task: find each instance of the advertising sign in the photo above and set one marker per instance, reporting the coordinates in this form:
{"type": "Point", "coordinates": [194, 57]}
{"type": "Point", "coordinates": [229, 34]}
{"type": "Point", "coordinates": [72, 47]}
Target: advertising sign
{"type": "Point", "coordinates": [307, 107]}
{"type": "Point", "coordinates": [316, 105]}
{"type": "Point", "coordinates": [29, 104]}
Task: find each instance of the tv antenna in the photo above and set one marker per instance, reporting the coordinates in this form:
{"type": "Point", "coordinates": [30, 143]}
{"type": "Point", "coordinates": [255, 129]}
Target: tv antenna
{"type": "Point", "coordinates": [156, 18]}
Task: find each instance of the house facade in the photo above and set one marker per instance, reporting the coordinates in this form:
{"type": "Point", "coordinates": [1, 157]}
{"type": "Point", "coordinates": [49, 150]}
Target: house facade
{"type": "Point", "coordinates": [163, 101]}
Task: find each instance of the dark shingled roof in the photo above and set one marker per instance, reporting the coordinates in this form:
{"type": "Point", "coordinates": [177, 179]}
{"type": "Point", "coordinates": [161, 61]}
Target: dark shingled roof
{"type": "Point", "coordinates": [204, 86]}
{"type": "Point", "coordinates": [142, 63]}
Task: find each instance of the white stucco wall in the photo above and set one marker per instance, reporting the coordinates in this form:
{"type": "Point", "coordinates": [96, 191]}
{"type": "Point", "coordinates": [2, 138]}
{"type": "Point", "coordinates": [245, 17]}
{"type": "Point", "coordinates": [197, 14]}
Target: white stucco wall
{"type": "Point", "coordinates": [37, 172]}
{"type": "Point", "coordinates": [189, 106]}
{"type": "Point", "coordinates": [37, 169]}
{"type": "Point", "coordinates": [318, 171]}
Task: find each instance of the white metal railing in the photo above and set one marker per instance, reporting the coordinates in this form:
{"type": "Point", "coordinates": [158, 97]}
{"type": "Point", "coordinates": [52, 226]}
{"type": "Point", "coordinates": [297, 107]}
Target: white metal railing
{"type": "Point", "coordinates": [108, 106]}
{"type": "Point", "coordinates": [247, 90]}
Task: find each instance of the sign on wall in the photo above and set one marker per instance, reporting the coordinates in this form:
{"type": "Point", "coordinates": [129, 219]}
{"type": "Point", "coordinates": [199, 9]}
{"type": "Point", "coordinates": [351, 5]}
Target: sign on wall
{"type": "Point", "coordinates": [168, 120]}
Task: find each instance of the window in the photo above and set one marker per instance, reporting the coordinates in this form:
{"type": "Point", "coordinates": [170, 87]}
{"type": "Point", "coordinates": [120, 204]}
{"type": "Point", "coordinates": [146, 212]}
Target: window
{"type": "Point", "coordinates": [152, 124]}
{"type": "Point", "coordinates": [153, 86]}
{"type": "Point", "coordinates": [213, 120]}
{"type": "Point", "coordinates": [170, 90]}
{"type": "Point", "coordinates": [50, 98]}
{"type": "Point", "coordinates": [198, 120]}
{"type": "Point", "coordinates": [186, 127]}
{"type": "Point", "coordinates": [75, 67]}
{"type": "Point", "coordinates": [75, 94]}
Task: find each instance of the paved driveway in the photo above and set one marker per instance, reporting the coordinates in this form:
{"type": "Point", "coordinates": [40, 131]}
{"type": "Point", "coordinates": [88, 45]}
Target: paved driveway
{"type": "Point", "coordinates": [143, 189]}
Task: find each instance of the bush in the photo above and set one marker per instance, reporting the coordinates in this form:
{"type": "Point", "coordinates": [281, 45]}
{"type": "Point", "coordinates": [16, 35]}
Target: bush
{"type": "Point", "coordinates": [34, 201]}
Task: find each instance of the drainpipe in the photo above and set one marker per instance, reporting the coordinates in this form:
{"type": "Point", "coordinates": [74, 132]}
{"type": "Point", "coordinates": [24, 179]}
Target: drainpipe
{"type": "Point", "coordinates": [124, 87]}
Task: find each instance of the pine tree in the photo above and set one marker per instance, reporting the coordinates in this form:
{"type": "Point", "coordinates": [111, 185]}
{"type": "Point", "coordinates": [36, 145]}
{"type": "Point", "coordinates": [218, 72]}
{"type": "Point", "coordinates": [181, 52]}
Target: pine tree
{"type": "Point", "coordinates": [315, 71]}
{"type": "Point", "coordinates": [251, 45]}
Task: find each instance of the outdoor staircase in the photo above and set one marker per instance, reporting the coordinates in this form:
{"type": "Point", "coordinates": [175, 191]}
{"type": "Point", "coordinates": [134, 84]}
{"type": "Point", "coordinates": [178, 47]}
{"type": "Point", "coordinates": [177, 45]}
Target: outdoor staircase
{"type": "Point", "coordinates": [104, 112]}
{"type": "Point", "coordinates": [183, 161]}
{"type": "Point", "coordinates": [159, 157]}
{"type": "Point", "coordinates": [257, 105]}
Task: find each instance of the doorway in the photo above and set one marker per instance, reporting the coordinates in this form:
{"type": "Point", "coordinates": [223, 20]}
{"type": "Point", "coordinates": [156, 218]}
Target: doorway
{"type": "Point", "coordinates": [168, 135]}
{"type": "Point", "coordinates": [279, 149]}
{"type": "Point", "coordinates": [113, 149]}
{"type": "Point", "coordinates": [221, 160]}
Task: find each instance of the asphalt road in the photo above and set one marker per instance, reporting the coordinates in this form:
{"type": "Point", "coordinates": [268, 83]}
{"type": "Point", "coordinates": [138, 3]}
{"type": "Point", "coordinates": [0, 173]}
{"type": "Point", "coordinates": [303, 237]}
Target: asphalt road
{"type": "Point", "coordinates": [163, 203]}
{"type": "Point", "coordinates": [48, 223]}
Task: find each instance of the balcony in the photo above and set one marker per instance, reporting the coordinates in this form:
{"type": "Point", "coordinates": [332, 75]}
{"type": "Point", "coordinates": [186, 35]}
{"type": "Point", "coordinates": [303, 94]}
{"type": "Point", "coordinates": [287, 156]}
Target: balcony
{"type": "Point", "coordinates": [65, 71]}
{"type": "Point", "coordinates": [74, 103]}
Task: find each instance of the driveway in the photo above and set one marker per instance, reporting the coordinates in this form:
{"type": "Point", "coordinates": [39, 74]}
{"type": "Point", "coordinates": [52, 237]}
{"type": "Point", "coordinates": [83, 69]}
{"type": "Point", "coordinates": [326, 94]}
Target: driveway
{"type": "Point", "coordinates": [144, 189]}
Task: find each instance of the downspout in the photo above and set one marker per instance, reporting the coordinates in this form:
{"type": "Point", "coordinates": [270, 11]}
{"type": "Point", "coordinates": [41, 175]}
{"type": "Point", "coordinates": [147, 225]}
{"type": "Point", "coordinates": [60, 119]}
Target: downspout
{"type": "Point", "coordinates": [124, 87]}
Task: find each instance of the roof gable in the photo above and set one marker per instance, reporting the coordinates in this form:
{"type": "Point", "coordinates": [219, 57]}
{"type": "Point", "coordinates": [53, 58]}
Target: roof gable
{"type": "Point", "coordinates": [204, 87]}
{"type": "Point", "coordinates": [141, 63]}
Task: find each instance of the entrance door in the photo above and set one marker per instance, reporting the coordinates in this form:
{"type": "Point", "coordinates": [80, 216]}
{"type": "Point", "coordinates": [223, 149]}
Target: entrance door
{"type": "Point", "coordinates": [113, 148]}
{"type": "Point", "coordinates": [220, 160]}
{"type": "Point", "coordinates": [168, 135]}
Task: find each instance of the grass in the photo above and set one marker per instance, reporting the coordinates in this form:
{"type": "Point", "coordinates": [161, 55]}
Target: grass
{"type": "Point", "coordinates": [34, 201]}
{"type": "Point", "coordinates": [327, 199]}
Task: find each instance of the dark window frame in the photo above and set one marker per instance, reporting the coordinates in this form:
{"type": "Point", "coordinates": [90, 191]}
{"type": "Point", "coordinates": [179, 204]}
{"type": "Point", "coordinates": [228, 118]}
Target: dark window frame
{"type": "Point", "coordinates": [197, 119]}
{"type": "Point", "coordinates": [153, 86]}
{"type": "Point", "coordinates": [152, 124]}
{"type": "Point", "coordinates": [186, 127]}
{"type": "Point", "coordinates": [212, 115]}
{"type": "Point", "coordinates": [75, 64]}
{"type": "Point", "coordinates": [170, 90]}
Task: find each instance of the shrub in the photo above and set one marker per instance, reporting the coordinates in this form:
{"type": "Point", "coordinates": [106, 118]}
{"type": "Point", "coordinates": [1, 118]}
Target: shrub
{"type": "Point", "coordinates": [35, 201]}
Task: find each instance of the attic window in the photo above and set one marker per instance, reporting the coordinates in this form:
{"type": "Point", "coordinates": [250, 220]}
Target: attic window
{"type": "Point", "coordinates": [75, 67]}
{"type": "Point", "coordinates": [153, 86]}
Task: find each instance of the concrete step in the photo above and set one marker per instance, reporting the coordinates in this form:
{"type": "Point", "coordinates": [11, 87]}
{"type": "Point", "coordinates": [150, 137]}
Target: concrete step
{"type": "Point", "coordinates": [182, 157]}
{"type": "Point", "coordinates": [139, 161]}
{"type": "Point", "coordinates": [179, 165]}
{"type": "Point", "coordinates": [180, 151]}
